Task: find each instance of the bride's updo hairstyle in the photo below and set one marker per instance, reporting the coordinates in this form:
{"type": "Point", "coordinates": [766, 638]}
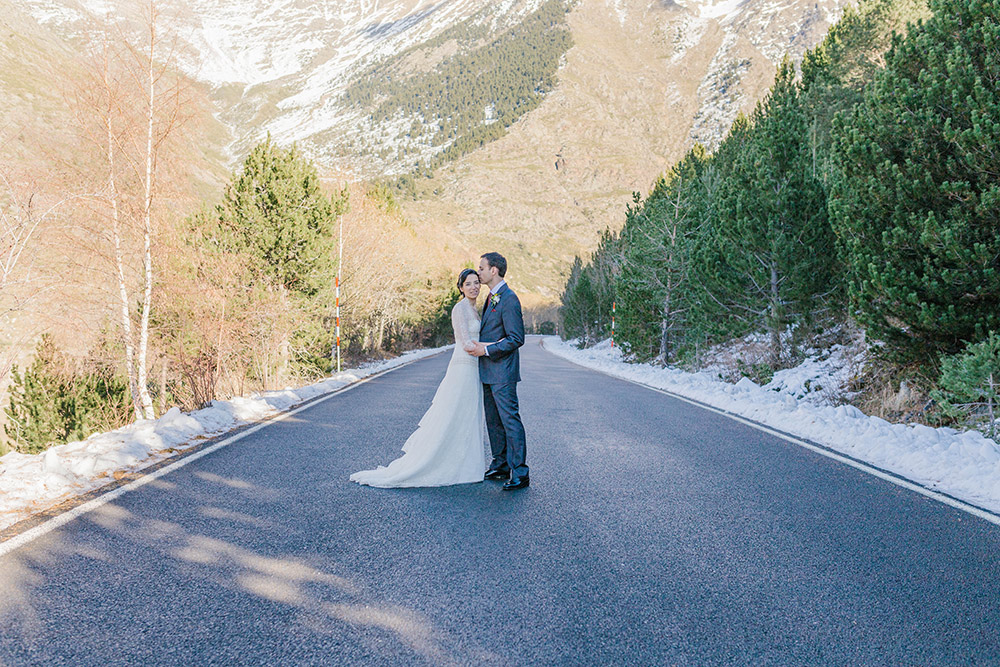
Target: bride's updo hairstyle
{"type": "Point", "coordinates": [463, 275]}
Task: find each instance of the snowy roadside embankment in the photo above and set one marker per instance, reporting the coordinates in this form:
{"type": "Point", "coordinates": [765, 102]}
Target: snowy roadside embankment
{"type": "Point", "coordinates": [965, 465]}
{"type": "Point", "coordinates": [31, 483]}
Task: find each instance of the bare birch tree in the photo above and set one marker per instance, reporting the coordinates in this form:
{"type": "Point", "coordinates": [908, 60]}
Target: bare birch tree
{"type": "Point", "coordinates": [374, 301]}
{"type": "Point", "coordinates": [25, 215]}
{"type": "Point", "coordinates": [133, 76]}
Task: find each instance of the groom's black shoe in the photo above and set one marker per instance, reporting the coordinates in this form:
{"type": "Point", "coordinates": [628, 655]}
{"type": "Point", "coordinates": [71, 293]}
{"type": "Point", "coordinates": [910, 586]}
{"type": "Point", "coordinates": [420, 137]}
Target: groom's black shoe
{"type": "Point", "coordinates": [516, 483]}
{"type": "Point", "coordinates": [496, 473]}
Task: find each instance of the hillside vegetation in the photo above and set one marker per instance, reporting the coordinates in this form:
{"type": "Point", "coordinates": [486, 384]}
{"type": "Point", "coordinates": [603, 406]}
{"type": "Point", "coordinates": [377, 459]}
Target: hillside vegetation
{"type": "Point", "coordinates": [471, 96]}
{"type": "Point", "coordinates": [863, 193]}
{"type": "Point", "coordinates": [136, 275]}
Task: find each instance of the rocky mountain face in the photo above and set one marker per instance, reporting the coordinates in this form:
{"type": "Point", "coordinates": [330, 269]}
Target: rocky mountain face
{"type": "Point", "coordinates": [641, 82]}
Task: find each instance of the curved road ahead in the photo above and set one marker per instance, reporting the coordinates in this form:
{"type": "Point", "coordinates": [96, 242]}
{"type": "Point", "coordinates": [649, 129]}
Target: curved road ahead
{"type": "Point", "coordinates": [654, 532]}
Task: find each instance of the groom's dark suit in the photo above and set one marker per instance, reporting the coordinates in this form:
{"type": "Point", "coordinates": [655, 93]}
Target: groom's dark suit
{"type": "Point", "coordinates": [500, 371]}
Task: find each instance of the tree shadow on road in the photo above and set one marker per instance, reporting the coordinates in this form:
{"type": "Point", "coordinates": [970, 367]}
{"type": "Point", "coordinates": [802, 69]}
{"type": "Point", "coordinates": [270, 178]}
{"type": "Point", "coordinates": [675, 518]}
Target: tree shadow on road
{"type": "Point", "coordinates": [119, 551]}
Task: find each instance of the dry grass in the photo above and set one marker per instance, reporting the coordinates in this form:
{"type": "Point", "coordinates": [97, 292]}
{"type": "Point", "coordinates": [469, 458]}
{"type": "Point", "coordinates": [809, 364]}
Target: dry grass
{"type": "Point", "coordinates": [898, 394]}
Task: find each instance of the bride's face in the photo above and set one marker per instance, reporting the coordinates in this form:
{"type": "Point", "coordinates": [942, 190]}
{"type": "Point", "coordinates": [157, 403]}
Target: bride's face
{"type": "Point", "coordinates": [470, 288]}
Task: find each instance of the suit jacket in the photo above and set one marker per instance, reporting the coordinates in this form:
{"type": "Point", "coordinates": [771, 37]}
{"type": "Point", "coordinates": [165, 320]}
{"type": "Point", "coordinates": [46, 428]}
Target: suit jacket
{"type": "Point", "coordinates": [502, 322]}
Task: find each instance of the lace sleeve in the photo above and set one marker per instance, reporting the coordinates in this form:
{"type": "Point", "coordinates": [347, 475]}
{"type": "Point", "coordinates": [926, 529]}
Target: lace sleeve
{"type": "Point", "coordinates": [460, 324]}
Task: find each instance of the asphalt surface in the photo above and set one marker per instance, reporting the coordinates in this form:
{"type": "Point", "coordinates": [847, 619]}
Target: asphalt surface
{"type": "Point", "coordinates": [654, 532]}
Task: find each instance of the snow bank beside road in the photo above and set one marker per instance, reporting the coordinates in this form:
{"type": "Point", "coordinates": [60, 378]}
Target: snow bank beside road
{"type": "Point", "coordinates": [31, 483]}
{"type": "Point", "coordinates": [965, 465]}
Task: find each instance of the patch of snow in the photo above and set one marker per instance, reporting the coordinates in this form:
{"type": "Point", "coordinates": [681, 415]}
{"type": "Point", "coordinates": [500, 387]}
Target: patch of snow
{"type": "Point", "coordinates": [99, 7]}
{"type": "Point", "coordinates": [713, 9]}
{"type": "Point", "coordinates": [53, 11]}
{"type": "Point", "coordinates": [719, 95]}
{"type": "Point", "coordinates": [821, 378]}
{"type": "Point", "coordinates": [965, 465]}
{"type": "Point", "coordinates": [618, 7]}
{"type": "Point", "coordinates": [32, 483]}
{"type": "Point", "coordinates": [686, 33]}
{"type": "Point", "coordinates": [721, 9]}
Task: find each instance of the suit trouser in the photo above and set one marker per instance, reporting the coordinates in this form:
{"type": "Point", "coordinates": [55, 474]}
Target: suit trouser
{"type": "Point", "coordinates": [503, 423]}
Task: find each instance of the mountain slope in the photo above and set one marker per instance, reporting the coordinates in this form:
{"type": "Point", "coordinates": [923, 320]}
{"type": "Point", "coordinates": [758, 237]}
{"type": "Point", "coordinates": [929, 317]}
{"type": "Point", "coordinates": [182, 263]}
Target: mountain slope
{"type": "Point", "coordinates": [642, 81]}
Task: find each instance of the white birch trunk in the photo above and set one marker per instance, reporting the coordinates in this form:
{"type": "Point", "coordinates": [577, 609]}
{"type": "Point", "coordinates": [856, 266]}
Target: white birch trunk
{"type": "Point", "coordinates": [147, 298]}
{"type": "Point", "coordinates": [126, 318]}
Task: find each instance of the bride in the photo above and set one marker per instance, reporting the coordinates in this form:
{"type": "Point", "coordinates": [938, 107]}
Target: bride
{"type": "Point", "coordinates": [447, 447]}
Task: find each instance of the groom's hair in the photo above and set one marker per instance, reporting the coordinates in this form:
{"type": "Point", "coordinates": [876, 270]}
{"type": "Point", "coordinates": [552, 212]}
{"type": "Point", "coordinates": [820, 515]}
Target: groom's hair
{"type": "Point", "coordinates": [497, 261]}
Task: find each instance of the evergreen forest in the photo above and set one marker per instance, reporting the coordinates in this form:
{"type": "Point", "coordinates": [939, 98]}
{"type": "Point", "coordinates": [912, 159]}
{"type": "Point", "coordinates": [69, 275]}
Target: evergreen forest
{"type": "Point", "coordinates": [862, 194]}
{"type": "Point", "coordinates": [472, 96]}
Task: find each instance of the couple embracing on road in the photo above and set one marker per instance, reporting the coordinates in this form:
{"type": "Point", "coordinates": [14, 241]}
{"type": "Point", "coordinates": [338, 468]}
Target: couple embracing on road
{"type": "Point", "coordinates": [479, 389]}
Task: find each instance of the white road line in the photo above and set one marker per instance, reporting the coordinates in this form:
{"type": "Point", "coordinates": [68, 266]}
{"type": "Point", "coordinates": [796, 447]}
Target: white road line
{"type": "Point", "coordinates": [32, 534]}
{"type": "Point", "coordinates": [864, 467]}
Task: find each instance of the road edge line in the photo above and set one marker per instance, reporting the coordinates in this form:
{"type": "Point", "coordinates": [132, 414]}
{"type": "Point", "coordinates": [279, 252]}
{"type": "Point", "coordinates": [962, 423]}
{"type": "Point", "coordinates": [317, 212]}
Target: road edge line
{"type": "Point", "coordinates": [21, 539]}
{"type": "Point", "coordinates": [840, 457]}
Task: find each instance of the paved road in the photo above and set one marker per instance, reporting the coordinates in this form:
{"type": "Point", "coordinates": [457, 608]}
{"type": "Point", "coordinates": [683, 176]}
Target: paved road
{"type": "Point", "coordinates": [654, 533]}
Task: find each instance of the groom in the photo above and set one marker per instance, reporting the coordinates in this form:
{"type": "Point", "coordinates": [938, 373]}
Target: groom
{"type": "Point", "coordinates": [500, 371]}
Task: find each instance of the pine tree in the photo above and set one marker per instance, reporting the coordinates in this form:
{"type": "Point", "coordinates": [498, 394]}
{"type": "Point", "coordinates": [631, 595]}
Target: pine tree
{"type": "Point", "coordinates": [275, 211]}
{"type": "Point", "coordinates": [657, 244]}
{"type": "Point", "coordinates": [916, 200]}
{"type": "Point", "coordinates": [970, 383]}
{"type": "Point", "coordinates": [836, 71]}
{"type": "Point", "coordinates": [771, 229]}
{"type": "Point", "coordinates": [710, 320]}
{"type": "Point", "coordinates": [603, 270]}
{"type": "Point", "coordinates": [577, 299]}
{"type": "Point", "coordinates": [34, 419]}
{"type": "Point", "coordinates": [637, 285]}
{"type": "Point", "coordinates": [587, 298]}
{"type": "Point", "coordinates": [53, 401]}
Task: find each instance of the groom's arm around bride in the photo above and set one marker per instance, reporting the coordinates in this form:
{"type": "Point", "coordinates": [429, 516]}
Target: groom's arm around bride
{"type": "Point", "coordinates": [503, 323]}
{"type": "Point", "coordinates": [500, 371]}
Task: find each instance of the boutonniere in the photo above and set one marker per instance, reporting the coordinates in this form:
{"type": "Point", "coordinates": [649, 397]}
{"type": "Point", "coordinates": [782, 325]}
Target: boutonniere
{"type": "Point", "coordinates": [494, 300]}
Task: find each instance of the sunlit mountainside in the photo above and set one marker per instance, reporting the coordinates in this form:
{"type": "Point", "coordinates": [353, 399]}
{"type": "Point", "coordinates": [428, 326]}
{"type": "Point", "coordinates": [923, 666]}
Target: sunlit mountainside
{"type": "Point", "coordinates": [522, 126]}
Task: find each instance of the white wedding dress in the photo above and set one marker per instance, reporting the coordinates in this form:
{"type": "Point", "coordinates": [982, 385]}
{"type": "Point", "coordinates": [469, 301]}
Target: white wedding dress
{"type": "Point", "coordinates": [448, 445]}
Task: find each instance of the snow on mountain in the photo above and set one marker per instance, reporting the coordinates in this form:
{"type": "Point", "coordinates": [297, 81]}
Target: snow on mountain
{"type": "Point", "coordinates": [254, 42]}
{"type": "Point", "coordinates": [754, 30]}
{"type": "Point", "coordinates": [293, 57]}
{"type": "Point", "coordinates": [708, 9]}
{"type": "Point", "coordinates": [642, 81]}
{"type": "Point", "coordinates": [293, 60]}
